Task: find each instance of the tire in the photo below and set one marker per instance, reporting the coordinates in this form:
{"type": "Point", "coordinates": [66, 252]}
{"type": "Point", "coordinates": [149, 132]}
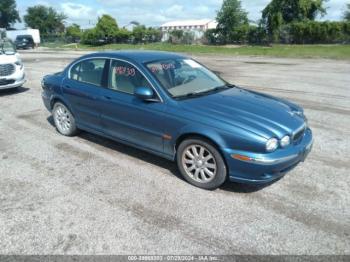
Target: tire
{"type": "Point", "coordinates": [201, 164]}
{"type": "Point", "coordinates": [64, 120]}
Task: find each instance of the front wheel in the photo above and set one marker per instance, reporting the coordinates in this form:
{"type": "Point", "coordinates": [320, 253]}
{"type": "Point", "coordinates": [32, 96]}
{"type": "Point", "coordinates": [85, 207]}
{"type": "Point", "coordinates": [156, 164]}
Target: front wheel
{"type": "Point", "coordinates": [201, 164]}
{"type": "Point", "coordinates": [64, 120]}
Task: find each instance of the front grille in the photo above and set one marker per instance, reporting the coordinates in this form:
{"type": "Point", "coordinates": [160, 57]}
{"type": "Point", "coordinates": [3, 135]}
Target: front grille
{"type": "Point", "coordinates": [4, 82]}
{"type": "Point", "coordinates": [7, 69]}
{"type": "Point", "coordinates": [299, 134]}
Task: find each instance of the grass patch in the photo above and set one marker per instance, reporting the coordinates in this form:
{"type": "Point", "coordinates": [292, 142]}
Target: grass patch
{"type": "Point", "coordinates": [291, 51]}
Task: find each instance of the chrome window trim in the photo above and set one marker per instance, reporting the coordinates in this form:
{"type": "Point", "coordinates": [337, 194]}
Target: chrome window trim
{"type": "Point", "coordinates": [118, 59]}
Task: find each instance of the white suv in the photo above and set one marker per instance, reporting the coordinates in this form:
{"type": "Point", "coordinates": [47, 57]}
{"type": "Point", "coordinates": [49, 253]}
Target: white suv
{"type": "Point", "coordinates": [11, 68]}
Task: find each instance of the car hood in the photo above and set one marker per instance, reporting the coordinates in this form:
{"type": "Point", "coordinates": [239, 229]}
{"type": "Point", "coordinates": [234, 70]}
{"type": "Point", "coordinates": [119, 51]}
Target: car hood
{"type": "Point", "coordinates": [6, 59]}
{"type": "Point", "coordinates": [261, 114]}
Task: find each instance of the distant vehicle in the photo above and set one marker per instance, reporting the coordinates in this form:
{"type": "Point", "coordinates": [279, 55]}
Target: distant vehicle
{"type": "Point", "coordinates": [24, 42]}
{"type": "Point", "coordinates": [172, 106]}
{"type": "Point", "coordinates": [35, 33]}
{"type": "Point", "coordinates": [11, 67]}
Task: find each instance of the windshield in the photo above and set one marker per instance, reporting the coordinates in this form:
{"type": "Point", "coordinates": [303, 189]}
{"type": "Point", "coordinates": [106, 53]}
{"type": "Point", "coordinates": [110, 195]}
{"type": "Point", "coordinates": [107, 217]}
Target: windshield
{"type": "Point", "coordinates": [184, 77]}
{"type": "Point", "coordinates": [7, 47]}
{"type": "Point", "coordinates": [23, 38]}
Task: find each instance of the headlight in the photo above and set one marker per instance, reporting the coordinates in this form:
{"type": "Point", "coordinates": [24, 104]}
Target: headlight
{"type": "Point", "coordinates": [19, 63]}
{"type": "Point", "coordinates": [285, 141]}
{"type": "Point", "coordinates": [271, 145]}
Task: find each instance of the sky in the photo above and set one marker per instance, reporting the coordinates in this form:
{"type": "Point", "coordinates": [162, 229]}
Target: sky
{"type": "Point", "coordinates": [156, 12]}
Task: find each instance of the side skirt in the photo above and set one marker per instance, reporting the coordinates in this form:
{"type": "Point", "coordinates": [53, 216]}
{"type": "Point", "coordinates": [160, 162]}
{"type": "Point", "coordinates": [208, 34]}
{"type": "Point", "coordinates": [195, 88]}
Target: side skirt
{"type": "Point", "coordinates": [161, 154]}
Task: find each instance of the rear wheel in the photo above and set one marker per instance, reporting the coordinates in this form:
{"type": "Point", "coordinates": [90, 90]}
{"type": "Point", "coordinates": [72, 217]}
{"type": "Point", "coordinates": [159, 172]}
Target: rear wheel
{"type": "Point", "coordinates": [201, 164]}
{"type": "Point", "coordinates": [64, 120]}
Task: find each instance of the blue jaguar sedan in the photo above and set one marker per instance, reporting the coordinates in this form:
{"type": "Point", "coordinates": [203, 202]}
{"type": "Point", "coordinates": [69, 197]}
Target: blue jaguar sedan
{"type": "Point", "coordinates": [172, 106]}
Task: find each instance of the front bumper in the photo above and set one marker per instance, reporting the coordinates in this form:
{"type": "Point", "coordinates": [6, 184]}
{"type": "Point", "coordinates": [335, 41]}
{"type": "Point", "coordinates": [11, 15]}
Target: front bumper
{"type": "Point", "coordinates": [17, 79]}
{"type": "Point", "coordinates": [265, 168]}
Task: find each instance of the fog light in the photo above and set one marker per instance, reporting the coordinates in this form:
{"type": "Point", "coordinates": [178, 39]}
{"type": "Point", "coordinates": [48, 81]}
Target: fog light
{"type": "Point", "coordinates": [271, 145]}
{"type": "Point", "coordinates": [285, 141]}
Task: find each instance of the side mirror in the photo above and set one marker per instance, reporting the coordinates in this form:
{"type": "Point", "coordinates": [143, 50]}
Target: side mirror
{"type": "Point", "coordinates": [144, 93]}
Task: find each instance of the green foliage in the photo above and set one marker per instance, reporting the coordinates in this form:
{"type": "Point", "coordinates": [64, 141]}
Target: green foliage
{"type": "Point", "coordinates": [122, 35]}
{"type": "Point", "coordinates": [239, 34]}
{"type": "Point", "coordinates": [211, 37]}
{"type": "Point", "coordinates": [187, 38]}
{"type": "Point", "coordinates": [107, 32]}
{"type": "Point", "coordinates": [46, 19]}
{"type": "Point", "coordinates": [347, 13]}
{"type": "Point", "coordinates": [8, 13]}
{"type": "Point", "coordinates": [230, 16]}
{"type": "Point", "coordinates": [280, 12]}
{"type": "Point", "coordinates": [92, 36]}
{"type": "Point", "coordinates": [257, 35]}
{"type": "Point", "coordinates": [312, 32]}
{"type": "Point", "coordinates": [107, 26]}
{"type": "Point", "coordinates": [176, 36]}
{"type": "Point", "coordinates": [74, 32]}
{"type": "Point", "coordinates": [139, 33]}
{"type": "Point", "coordinates": [153, 35]}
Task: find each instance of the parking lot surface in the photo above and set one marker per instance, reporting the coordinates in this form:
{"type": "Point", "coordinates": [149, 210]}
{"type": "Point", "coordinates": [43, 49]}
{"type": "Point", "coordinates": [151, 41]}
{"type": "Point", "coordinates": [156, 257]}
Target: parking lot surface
{"type": "Point", "coordinates": [90, 195]}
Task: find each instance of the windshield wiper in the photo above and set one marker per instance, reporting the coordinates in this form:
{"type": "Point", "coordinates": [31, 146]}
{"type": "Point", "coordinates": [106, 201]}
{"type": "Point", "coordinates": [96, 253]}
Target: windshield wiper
{"type": "Point", "coordinates": [224, 87]}
{"type": "Point", "coordinates": [192, 94]}
{"type": "Point", "coordinates": [201, 93]}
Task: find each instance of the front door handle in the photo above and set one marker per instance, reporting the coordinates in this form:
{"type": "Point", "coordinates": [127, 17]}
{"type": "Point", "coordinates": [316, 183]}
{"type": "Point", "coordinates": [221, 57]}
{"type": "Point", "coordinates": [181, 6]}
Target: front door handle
{"type": "Point", "coordinates": [93, 97]}
{"type": "Point", "coordinates": [67, 86]}
{"type": "Point", "coordinates": [107, 97]}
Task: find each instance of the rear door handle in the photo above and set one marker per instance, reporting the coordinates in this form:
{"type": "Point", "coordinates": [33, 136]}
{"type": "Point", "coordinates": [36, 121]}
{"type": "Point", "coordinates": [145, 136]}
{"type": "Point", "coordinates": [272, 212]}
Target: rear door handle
{"type": "Point", "coordinates": [67, 86]}
{"type": "Point", "coordinates": [107, 97]}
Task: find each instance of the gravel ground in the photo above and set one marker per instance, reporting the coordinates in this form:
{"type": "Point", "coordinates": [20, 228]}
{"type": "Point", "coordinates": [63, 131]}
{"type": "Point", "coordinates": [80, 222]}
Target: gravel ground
{"type": "Point", "coordinates": [90, 195]}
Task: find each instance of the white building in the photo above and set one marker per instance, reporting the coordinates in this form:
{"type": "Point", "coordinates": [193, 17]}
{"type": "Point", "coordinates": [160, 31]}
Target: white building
{"type": "Point", "coordinates": [197, 27]}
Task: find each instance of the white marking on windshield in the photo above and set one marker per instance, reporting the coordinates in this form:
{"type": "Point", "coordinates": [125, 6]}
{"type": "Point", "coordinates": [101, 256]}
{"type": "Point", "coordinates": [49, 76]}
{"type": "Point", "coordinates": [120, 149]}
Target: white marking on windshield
{"type": "Point", "coordinates": [192, 63]}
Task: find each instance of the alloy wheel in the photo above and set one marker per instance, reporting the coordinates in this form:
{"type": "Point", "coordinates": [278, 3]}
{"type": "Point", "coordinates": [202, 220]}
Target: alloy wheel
{"type": "Point", "coordinates": [62, 119]}
{"type": "Point", "coordinates": [199, 163]}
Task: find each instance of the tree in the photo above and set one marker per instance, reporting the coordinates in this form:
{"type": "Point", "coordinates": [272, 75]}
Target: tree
{"type": "Point", "coordinates": [347, 13]}
{"type": "Point", "coordinates": [107, 26]}
{"type": "Point", "coordinates": [139, 33]}
{"type": "Point", "coordinates": [46, 19]}
{"type": "Point", "coordinates": [74, 32]}
{"type": "Point", "coordinates": [176, 36]}
{"type": "Point", "coordinates": [279, 12]}
{"type": "Point", "coordinates": [8, 13]}
{"type": "Point", "coordinates": [153, 35]}
{"type": "Point", "coordinates": [122, 35]}
{"type": "Point", "coordinates": [91, 37]}
{"type": "Point", "coordinates": [230, 16]}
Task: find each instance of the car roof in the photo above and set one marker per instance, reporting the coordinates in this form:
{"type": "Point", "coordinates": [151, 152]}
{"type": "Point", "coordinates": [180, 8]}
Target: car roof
{"type": "Point", "coordinates": [139, 56]}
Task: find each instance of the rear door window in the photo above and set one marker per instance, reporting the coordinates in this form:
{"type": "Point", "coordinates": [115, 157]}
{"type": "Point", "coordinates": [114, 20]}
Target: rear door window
{"type": "Point", "coordinates": [89, 71]}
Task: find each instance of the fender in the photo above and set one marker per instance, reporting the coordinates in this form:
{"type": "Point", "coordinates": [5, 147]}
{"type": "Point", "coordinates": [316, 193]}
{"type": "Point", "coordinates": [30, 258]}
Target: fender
{"type": "Point", "coordinates": [195, 129]}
